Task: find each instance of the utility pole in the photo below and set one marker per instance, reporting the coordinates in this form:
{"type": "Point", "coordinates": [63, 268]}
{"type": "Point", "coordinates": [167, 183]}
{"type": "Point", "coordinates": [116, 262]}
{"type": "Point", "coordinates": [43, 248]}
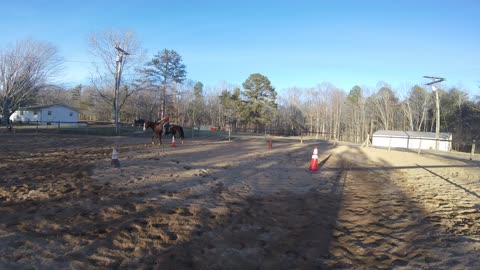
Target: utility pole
{"type": "Point", "coordinates": [120, 61]}
{"type": "Point", "coordinates": [433, 83]}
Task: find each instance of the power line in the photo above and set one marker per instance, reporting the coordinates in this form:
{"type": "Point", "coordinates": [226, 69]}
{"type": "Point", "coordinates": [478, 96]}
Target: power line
{"type": "Point", "coordinates": [78, 61]}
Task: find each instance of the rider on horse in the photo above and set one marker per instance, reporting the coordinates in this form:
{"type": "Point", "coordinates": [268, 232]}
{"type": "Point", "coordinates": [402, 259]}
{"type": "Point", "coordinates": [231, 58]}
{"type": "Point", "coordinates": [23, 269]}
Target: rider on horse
{"type": "Point", "coordinates": [166, 122]}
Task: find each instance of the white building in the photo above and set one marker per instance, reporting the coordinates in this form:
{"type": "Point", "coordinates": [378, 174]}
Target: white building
{"type": "Point", "coordinates": [411, 140]}
{"type": "Point", "coordinates": [46, 115]}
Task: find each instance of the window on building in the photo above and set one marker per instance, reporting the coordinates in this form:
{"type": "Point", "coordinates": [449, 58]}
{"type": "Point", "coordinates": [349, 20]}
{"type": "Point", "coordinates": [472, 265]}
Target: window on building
{"type": "Point", "coordinates": [71, 113]}
{"type": "Point", "coordinates": [49, 112]}
{"type": "Point", "coordinates": [35, 113]}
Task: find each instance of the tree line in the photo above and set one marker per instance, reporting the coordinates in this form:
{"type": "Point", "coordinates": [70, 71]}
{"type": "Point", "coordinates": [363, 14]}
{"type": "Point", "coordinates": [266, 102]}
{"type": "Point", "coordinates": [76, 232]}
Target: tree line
{"type": "Point", "coordinates": [159, 84]}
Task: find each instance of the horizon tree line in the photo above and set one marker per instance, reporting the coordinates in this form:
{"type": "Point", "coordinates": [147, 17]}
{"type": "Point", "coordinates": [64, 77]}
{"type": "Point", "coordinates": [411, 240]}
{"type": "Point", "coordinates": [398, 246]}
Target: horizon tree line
{"type": "Point", "coordinates": [160, 84]}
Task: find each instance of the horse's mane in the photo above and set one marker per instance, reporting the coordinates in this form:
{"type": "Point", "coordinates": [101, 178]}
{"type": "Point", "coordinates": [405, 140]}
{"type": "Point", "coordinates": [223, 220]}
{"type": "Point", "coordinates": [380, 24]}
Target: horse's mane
{"type": "Point", "coordinates": [153, 124]}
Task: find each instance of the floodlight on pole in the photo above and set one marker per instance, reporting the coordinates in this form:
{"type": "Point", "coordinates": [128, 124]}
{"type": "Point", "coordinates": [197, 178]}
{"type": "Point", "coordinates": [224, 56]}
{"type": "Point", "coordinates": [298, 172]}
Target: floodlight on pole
{"type": "Point", "coordinates": [433, 83]}
{"type": "Point", "coordinates": [119, 61]}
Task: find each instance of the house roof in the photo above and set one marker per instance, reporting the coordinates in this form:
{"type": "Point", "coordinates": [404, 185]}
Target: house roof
{"type": "Point", "coordinates": [411, 134]}
{"type": "Point", "coordinates": [36, 107]}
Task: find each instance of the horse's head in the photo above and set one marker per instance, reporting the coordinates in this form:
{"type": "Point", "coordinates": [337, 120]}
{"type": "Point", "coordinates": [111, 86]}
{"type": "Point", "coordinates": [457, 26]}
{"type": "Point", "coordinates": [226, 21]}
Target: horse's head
{"type": "Point", "coordinates": [148, 124]}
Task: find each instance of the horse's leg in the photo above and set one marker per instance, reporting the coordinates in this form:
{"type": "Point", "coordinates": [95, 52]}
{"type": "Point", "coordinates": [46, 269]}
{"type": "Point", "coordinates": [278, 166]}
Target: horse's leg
{"type": "Point", "coordinates": [152, 139]}
{"type": "Point", "coordinates": [162, 147]}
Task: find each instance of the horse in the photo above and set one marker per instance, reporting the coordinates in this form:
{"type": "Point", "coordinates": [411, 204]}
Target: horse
{"type": "Point", "coordinates": [176, 130]}
{"type": "Point", "coordinates": [138, 122]}
{"type": "Point", "coordinates": [157, 129]}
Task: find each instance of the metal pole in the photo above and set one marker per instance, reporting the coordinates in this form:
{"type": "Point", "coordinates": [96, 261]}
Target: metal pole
{"type": "Point", "coordinates": [436, 80]}
{"type": "Point", "coordinates": [164, 99]}
{"type": "Point", "coordinates": [118, 76]}
{"type": "Point", "coordinates": [117, 84]}
{"type": "Point", "coordinates": [437, 126]}
{"type": "Point", "coordinates": [193, 126]}
{"type": "Point", "coordinates": [473, 150]}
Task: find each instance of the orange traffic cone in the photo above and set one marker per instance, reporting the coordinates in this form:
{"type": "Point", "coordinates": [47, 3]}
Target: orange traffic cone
{"type": "Point", "coordinates": [115, 163]}
{"type": "Point", "coordinates": [174, 144]}
{"type": "Point", "coordinates": [314, 161]}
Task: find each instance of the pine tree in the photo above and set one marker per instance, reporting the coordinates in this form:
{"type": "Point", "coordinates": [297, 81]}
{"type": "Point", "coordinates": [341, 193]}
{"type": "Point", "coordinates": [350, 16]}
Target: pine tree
{"type": "Point", "coordinates": [260, 100]}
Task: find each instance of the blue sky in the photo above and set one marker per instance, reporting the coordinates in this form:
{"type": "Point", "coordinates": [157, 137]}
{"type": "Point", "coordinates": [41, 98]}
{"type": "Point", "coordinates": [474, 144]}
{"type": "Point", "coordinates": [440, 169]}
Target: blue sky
{"type": "Point", "coordinates": [294, 43]}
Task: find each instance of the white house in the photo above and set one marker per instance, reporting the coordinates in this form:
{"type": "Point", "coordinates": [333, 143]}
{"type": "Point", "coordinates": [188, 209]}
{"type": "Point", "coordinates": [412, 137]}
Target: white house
{"type": "Point", "coordinates": [46, 115]}
{"type": "Point", "coordinates": [411, 140]}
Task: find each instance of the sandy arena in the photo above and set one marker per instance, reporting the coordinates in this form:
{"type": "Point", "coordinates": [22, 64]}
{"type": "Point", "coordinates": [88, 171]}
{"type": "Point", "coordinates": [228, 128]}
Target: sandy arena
{"type": "Point", "coordinates": [211, 204]}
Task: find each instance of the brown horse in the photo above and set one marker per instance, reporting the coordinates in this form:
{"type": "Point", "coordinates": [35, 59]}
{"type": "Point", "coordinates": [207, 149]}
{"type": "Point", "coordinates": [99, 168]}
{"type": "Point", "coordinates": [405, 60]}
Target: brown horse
{"type": "Point", "coordinates": [157, 129]}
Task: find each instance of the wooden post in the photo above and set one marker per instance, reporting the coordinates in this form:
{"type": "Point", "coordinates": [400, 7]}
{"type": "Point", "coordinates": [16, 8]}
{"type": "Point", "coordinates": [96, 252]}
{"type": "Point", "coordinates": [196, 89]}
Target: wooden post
{"type": "Point", "coordinates": [11, 128]}
{"type": "Point", "coordinates": [301, 138]}
{"type": "Point", "coordinates": [371, 128]}
{"type": "Point", "coordinates": [473, 150]}
{"type": "Point", "coordinates": [229, 132]}
{"type": "Point", "coordinates": [389, 143]}
{"type": "Point", "coordinates": [366, 141]}
{"type": "Point", "coordinates": [419, 146]}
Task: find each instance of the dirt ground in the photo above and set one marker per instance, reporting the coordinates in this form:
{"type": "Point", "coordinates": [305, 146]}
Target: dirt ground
{"type": "Point", "coordinates": [232, 205]}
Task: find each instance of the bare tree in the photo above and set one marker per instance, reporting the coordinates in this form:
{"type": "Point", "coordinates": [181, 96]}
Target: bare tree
{"type": "Point", "coordinates": [337, 101]}
{"type": "Point", "coordinates": [296, 110]}
{"type": "Point", "coordinates": [417, 103]}
{"type": "Point", "coordinates": [184, 93]}
{"type": "Point", "coordinates": [354, 113]}
{"type": "Point", "coordinates": [312, 110]}
{"type": "Point", "coordinates": [25, 70]}
{"type": "Point", "coordinates": [54, 94]}
{"type": "Point", "coordinates": [385, 102]}
{"type": "Point", "coordinates": [102, 46]}
{"type": "Point", "coordinates": [92, 106]}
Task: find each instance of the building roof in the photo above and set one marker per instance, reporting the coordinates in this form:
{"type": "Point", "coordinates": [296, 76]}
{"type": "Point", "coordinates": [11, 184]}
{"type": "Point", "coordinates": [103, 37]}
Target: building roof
{"type": "Point", "coordinates": [36, 107]}
{"type": "Point", "coordinates": [411, 134]}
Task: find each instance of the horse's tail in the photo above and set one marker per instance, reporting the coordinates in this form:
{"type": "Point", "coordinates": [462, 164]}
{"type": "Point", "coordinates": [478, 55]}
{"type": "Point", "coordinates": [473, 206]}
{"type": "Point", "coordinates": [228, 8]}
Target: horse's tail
{"type": "Point", "coordinates": [182, 135]}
